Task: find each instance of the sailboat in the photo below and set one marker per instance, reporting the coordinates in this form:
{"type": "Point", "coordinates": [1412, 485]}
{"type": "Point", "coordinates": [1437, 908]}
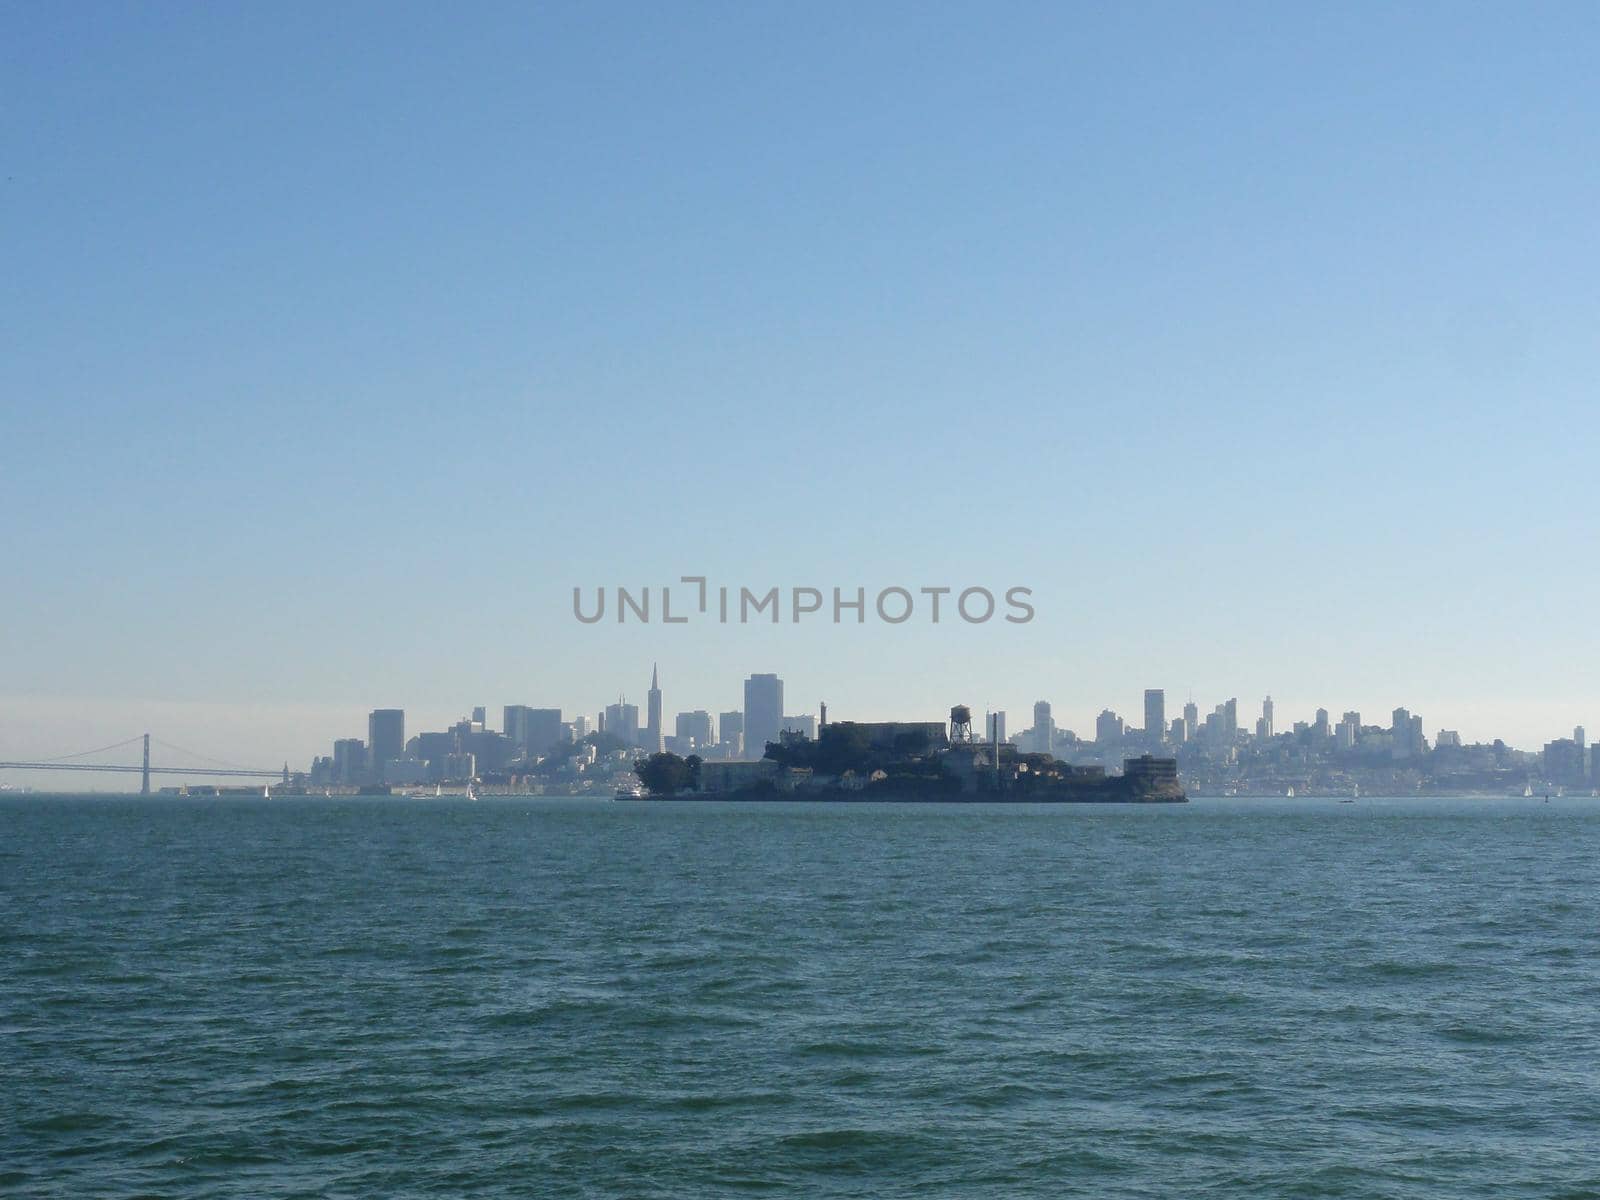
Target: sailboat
{"type": "Point", "coordinates": [1527, 791]}
{"type": "Point", "coordinates": [472, 792]}
{"type": "Point", "coordinates": [1290, 793]}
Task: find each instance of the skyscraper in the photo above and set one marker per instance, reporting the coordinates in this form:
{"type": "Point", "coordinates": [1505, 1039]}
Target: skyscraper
{"type": "Point", "coordinates": [543, 729]}
{"type": "Point", "coordinates": [696, 727]}
{"type": "Point", "coordinates": [514, 724]}
{"type": "Point", "coordinates": [1108, 728]}
{"type": "Point", "coordinates": [349, 760]}
{"type": "Point", "coordinates": [763, 713]}
{"type": "Point", "coordinates": [532, 731]}
{"type": "Point", "coordinates": [1155, 716]}
{"type": "Point", "coordinates": [652, 729]}
{"type": "Point", "coordinates": [1044, 728]}
{"type": "Point", "coordinates": [622, 722]}
{"type": "Point", "coordinates": [1266, 717]}
{"type": "Point", "coordinates": [1348, 730]}
{"type": "Point", "coordinates": [386, 737]}
{"type": "Point", "coordinates": [730, 732]}
{"type": "Point", "coordinates": [1321, 729]}
{"type": "Point", "coordinates": [1191, 720]}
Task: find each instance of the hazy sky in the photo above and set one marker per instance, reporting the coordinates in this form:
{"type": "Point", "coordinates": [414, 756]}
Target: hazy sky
{"type": "Point", "coordinates": [339, 342]}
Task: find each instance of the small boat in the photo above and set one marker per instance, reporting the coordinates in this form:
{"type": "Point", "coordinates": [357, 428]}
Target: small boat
{"type": "Point", "coordinates": [1290, 793]}
{"type": "Point", "coordinates": [1527, 791]}
{"type": "Point", "coordinates": [472, 792]}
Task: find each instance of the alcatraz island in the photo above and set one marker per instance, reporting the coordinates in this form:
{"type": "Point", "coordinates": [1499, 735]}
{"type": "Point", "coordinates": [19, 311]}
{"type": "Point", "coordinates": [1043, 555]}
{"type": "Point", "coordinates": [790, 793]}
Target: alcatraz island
{"type": "Point", "coordinates": [907, 761]}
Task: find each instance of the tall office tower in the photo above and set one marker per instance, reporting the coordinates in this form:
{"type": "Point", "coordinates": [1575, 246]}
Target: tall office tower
{"type": "Point", "coordinates": [1406, 733]}
{"type": "Point", "coordinates": [1579, 737]}
{"type": "Point", "coordinates": [1179, 732]}
{"type": "Point", "coordinates": [580, 727]}
{"type": "Point", "coordinates": [1155, 716]}
{"type": "Point", "coordinates": [730, 732]}
{"type": "Point", "coordinates": [696, 727]}
{"type": "Point", "coordinates": [763, 713]}
{"type": "Point", "coordinates": [652, 729]}
{"type": "Point", "coordinates": [514, 724]}
{"type": "Point", "coordinates": [622, 722]}
{"type": "Point", "coordinates": [349, 760]}
{"type": "Point", "coordinates": [1230, 720]}
{"type": "Point", "coordinates": [997, 725]}
{"type": "Point", "coordinates": [543, 728]}
{"type": "Point", "coordinates": [1400, 733]}
{"type": "Point", "coordinates": [480, 717]}
{"type": "Point", "coordinates": [1044, 728]}
{"type": "Point", "coordinates": [1321, 730]}
{"type": "Point", "coordinates": [386, 737]}
{"type": "Point", "coordinates": [1563, 761]}
{"type": "Point", "coordinates": [1348, 730]}
{"type": "Point", "coordinates": [1266, 717]}
{"type": "Point", "coordinates": [1108, 728]}
{"type": "Point", "coordinates": [1191, 720]}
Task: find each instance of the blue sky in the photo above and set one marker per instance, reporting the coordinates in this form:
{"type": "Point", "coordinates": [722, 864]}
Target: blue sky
{"type": "Point", "coordinates": [338, 343]}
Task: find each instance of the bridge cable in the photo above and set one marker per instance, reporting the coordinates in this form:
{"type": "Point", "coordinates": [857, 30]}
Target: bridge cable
{"type": "Point", "coordinates": [215, 762]}
{"type": "Point", "coordinates": [96, 750]}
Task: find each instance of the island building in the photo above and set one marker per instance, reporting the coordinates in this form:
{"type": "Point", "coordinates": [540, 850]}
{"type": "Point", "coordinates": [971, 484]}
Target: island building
{"type": "Point", "coordinates": [804, 724]}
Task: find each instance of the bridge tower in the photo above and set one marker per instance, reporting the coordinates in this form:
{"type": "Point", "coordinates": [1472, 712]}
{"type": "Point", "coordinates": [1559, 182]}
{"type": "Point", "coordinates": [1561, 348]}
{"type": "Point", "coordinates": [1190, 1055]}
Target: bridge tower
{"type": "Point", "coordinates": [144, 776]}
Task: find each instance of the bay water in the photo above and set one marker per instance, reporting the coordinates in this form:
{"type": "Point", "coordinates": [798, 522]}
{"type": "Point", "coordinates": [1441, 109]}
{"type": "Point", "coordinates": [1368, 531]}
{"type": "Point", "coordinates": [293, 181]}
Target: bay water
{"type": "Point", "coordinates": [529, 997]}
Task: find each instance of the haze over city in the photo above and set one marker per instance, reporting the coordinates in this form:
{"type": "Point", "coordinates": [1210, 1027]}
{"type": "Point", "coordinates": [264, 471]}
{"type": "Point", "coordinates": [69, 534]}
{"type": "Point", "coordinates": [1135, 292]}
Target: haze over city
{"type": "Point", "coordinates": [1258, 344]}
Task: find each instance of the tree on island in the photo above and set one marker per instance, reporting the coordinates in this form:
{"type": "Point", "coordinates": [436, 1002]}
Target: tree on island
{"type": "Point", "coordinates": [666, 774]}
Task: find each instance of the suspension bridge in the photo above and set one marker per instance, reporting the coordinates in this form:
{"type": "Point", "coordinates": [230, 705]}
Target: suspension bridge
{"type": "Point", "coordinates": [144, 769]}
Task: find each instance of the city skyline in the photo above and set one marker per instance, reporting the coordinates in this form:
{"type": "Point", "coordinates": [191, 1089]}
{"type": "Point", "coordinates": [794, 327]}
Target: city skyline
{"type": "Point", "coordinates": [391, 735]}
{"type": "Point", "coordinates": [1256, 343]}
